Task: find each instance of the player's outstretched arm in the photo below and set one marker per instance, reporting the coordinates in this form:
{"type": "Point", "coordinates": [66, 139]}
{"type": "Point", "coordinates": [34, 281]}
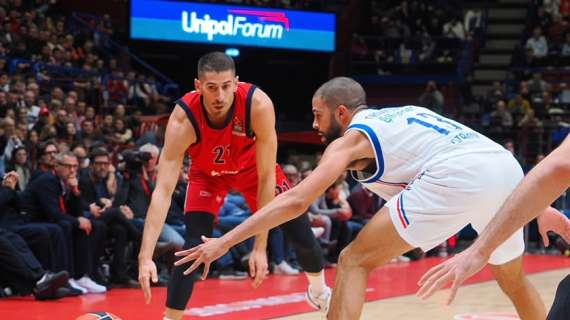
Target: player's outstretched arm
{"type": "Point", "coordinates": [337, 157]}
{"type": "Point", "coordinates": [537, 191]}
{"type": "Point", "coordinates": [263, 125]}
{"type": "Point", "coordinates": [179, 136]}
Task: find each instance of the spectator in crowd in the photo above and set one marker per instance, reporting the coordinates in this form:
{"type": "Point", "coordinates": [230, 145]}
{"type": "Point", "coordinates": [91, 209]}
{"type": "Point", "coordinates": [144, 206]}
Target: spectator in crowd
{"type": "Point", "coordinates": [364, 204]}
{"type": "Point", "coordinates": [529, 120]}
{"type": "Point", "coordinates": [134, 194]}
{"type": "Point", "coordinates": [19, 163]}
{"type": "Point", "coordinates": [98, 186]}
{"type": "Point", "coordinates": [55, 197]}
{"type": "Point", "coordinates": [501, 115]}
{"type": "Point", "coordinates": [432, 98]}
{"type": "Point", "coordinates": [537, 86]}
{"type": "Point", "coordinates": [454, 29]}
{"type": "Point", "coordinates": [20, 270]}
{"type": "Point", "coordinates": [46, 162]}
{"type": "Point", "coordinates": [46, 240]}
{"type": "Point", "coordinates": [537, 44]}
{"type": "Point", "coordinates": [518, 106]}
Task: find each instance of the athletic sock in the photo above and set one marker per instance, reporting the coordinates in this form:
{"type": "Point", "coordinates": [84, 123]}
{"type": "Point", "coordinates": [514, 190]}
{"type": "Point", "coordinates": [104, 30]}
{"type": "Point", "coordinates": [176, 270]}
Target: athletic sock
{"type": "Point", "coordinates": [317, 283]}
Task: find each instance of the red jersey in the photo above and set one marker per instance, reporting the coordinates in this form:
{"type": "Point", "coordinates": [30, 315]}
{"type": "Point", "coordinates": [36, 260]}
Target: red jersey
{"type": "Point", "coordinates": [221, 151]}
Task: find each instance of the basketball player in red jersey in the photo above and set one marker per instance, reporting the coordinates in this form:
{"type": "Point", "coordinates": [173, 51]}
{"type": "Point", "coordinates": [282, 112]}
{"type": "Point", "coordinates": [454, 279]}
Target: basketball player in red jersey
{"type": "Point", "coordinates": [228, 129]}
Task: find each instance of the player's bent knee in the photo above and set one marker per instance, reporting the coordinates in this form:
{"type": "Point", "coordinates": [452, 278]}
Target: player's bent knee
{"type": "Point", "coordinates": [350, 258]}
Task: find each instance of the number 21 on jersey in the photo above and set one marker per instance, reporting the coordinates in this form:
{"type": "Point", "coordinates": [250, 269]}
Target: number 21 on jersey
{"type": "Point", "coordinates": [221, 153]}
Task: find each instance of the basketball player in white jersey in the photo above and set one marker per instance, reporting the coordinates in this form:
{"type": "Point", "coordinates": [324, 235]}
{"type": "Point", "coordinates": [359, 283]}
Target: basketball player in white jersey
{"type": "Point", "coordinates": [436, 174]}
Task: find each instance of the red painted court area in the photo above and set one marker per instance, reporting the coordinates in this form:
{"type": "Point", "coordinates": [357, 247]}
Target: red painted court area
{"type": "Point", "coordinates": [214, 299]}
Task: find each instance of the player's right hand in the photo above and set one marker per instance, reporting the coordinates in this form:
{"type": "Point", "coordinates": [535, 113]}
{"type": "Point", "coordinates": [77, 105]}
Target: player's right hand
{"type": "Point", "coordinates": [457, 269]}
{"type": "Point", "coordinates": [258, 268]}
{"type": "Point", "coordinates": [147, 272]}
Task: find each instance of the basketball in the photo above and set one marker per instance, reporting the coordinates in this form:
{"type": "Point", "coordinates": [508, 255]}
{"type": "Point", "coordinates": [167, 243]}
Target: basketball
{"type": "Point", "coordinates": [98, 315]}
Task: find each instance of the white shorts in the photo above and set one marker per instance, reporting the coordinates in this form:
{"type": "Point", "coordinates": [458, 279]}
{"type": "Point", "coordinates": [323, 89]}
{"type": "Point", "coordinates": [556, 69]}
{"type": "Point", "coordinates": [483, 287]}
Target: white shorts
{"type": "Point", "coordinates": [448, 195]}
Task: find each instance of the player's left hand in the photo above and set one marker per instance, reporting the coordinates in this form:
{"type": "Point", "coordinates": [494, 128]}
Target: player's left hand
{"type": "Point", "coordinates": [206, 253]}
{"type": "Point", "coordinates": [258, 268]}
{"type": "Point", "coordinates": [457, 269]}
{"type": "Point", "coordinates": [553, 220]}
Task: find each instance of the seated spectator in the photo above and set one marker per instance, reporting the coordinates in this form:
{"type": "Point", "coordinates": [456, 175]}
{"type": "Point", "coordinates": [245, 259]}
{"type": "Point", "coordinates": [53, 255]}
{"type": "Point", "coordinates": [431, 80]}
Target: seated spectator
{"type": "Point", "coordinates": [530, 121]}
{"type": "Point", "coordinates": [501, 115]}
{"type": "Point", "coordinates": [134, 194]}
{"type": "Point", "coordinates": [122, 134]}
{"type": "Point", "coordinates": [55, 197]}
{"type": "Point", "coordinates": [20, 164]}
{"type": "Point", "coordinates": [98, 186]}
{"type": "Point", "coordinates": [454, 29]}
{"type": "Point", "coordinates": [46, 240]}
{"type": "Point", "coordinates": [496, 93]}
{"type": "Point", "coordinates": [538, 44]}
{"type": "Point", "coordinates": [432, 98]}
{"type": "Point", "coordinates": [46, 162]}
{"type": "Point", "coordinates": [537, 86]}
{"type": "Point", "coordinates": [22, 272]}
{"type": "Point", "coordinates": [518, 106]}
{"type": "Point", "coordinates": [364, 204]}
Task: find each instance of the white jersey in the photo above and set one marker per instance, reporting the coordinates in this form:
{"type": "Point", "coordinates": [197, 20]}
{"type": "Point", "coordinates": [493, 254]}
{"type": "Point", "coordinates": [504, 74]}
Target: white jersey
{"type": "Point", "coordinates": [407, 139]}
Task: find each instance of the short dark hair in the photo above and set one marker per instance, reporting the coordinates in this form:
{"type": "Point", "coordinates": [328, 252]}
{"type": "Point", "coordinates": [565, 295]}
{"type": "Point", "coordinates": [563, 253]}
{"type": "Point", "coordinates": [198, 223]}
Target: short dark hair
{"type": "Point", "coordinates": [99, 152]}
{"type": "Point", "coordinates": [42, 146]}
{"type": "Point", "coordinates": [215, 61]}
{"type": "Point", "coordinates": [341, 91]}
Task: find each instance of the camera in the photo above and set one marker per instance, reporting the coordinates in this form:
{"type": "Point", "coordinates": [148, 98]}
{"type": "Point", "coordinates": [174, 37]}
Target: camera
{"type": "Point", "coordinates": [134, 160]}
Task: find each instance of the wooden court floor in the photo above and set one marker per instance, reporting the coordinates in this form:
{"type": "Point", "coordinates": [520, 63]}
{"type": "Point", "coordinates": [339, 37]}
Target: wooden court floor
{"type": "Point", "coordinates": [482, 301]}
{"type": "Point", "coordinates": [389, 295]}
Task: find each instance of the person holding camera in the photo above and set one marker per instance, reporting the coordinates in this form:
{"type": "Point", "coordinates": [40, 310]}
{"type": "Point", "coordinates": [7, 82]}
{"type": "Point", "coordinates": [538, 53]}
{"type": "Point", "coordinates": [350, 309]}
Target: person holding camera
{"type": "Point", "coordinates": [135, 194]}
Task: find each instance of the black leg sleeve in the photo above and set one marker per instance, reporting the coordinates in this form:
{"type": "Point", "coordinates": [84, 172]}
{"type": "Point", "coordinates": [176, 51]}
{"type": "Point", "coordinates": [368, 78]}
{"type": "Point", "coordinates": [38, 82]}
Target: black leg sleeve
{"type": "Point", "coordinates": [308, 250]}
{"type": "Point", "coordinates": [180, 286]}
{"type": "Point", "coordinates": [561, 307]}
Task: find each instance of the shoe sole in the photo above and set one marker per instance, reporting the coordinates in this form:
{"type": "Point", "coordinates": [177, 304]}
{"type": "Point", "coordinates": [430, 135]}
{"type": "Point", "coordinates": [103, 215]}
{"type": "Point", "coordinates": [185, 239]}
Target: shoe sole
{"type": "Point", "coordinates": [50, 291]}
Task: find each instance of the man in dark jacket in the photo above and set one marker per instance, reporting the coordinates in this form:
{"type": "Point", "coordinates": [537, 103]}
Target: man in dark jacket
{"type": "Point", "coordinates": [98, 187]}
{"type": "Point", "coordinates": [21, 271]}
{"type": "Point", "coordinates": [55, 197]}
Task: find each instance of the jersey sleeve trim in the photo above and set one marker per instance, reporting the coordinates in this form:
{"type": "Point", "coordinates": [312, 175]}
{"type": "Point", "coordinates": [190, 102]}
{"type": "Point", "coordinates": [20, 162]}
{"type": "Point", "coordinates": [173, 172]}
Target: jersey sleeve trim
{"type": "Point", "coordinates": [191, 117]}
{"type": "Point", "coordinates": [248, 128]}
{"type": "Point", "coordinates": [373, 138]}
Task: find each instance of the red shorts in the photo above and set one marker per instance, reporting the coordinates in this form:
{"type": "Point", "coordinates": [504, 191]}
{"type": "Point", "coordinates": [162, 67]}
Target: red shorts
{"type": "Point", "coordinates": [207, 193]}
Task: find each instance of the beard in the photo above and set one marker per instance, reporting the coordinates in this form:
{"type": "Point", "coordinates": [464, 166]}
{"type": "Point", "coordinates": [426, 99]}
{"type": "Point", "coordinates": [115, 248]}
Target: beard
{"type": "Point", "coordinates": [333, 133]}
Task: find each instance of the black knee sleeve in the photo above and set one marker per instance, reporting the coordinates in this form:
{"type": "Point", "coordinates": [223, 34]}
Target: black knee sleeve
{"type": "Point", "coordinates": [308, 250]}
{"type": "Point", "coordinates": [180, 286]}
{"type": "Point", "coordinates": [561, 307]}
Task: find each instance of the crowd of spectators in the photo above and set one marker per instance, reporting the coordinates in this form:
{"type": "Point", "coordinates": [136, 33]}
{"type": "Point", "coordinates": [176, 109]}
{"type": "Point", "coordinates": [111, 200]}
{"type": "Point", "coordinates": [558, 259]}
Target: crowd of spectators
{"type": "Point", "coordinates": [413, 33]}
{"type": "Point", "coordinates": [546, 41]}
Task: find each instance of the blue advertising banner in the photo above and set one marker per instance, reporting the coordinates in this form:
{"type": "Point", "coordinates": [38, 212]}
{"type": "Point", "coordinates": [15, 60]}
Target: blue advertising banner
{"type": "Point", "coordinates": [232, 25]}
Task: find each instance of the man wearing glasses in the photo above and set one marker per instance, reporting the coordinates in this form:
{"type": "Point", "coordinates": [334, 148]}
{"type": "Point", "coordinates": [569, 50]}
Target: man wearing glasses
{"type": "Point", "coordinates": [98, 187]}
{"type": "Point", "coordinates": [46, 158]}
{"type": "Point", "coordinates": [54, 196]}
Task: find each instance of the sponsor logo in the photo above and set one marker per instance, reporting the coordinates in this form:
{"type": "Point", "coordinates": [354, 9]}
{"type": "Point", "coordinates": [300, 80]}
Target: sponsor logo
{"type": "Point", "coordinates": [215, 173]}
{"type": "Point", "coordinates": [205, 194]}
{"type": "Point", "coordinates": [238, 23]}
{"type": "Point", "coordinates": [238, 127]}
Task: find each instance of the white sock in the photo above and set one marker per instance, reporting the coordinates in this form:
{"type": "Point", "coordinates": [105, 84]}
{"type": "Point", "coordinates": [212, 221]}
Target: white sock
{"type": "Point", "coordinates": [317, 282]}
